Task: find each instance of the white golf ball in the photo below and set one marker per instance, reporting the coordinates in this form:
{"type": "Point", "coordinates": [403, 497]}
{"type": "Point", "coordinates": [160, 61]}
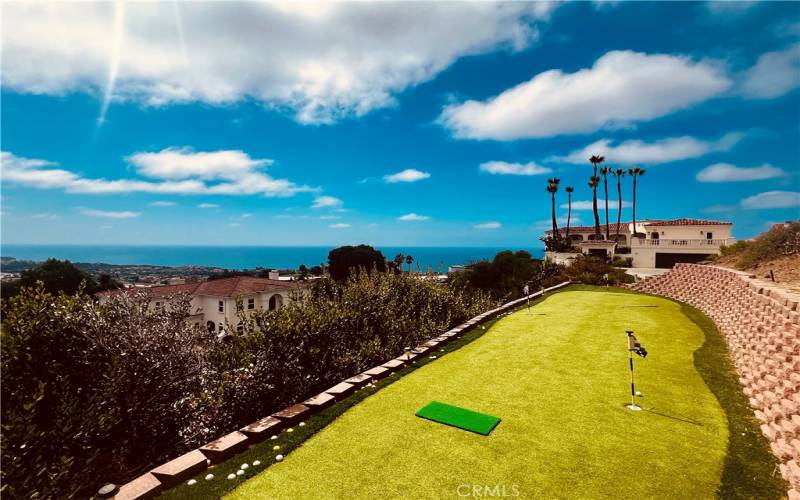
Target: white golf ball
{"type": "Point", "coordinates": [231, 476]}
{"type": "Point", "coordinates": [192, 482]}
{"type": "Point", "coordinates": [302, 424]}
{"type": "Point", "coordinates": [274, 437]}
{"type": "Point", "coordinates": [257, 462]}
{"type": "Point", "coordinates": [239, 472]}
{"type": "Point", "coordinates": [244, 466]}
{"type": "Point", "coordinates": [209, 477]}
{"type": "Point", "coordinates": [278, 458]}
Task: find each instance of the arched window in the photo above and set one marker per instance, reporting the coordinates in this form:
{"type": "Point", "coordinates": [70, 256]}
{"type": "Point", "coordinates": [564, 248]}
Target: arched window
{"type": "Point", "coordinates": [210, 326]}
{"type": "Point", "coordinates": [275, 302]}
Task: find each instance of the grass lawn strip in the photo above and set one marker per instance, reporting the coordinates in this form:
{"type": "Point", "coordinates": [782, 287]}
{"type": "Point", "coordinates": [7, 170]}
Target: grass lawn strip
{"type": "Point", "coordinates": [558, 376]}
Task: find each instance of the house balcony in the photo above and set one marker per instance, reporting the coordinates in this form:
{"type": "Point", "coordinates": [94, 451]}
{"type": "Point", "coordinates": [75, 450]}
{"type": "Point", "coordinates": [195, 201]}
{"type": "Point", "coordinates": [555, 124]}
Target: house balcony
{"type": "Point", "coordinates": [699, 243]}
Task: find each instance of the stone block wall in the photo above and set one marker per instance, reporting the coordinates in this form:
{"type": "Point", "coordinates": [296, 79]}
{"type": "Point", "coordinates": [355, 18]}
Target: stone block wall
{"type": "Point", "coordinates": [761, 324]}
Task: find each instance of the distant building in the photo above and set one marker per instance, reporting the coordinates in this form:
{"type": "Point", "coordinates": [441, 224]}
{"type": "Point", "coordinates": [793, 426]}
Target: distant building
{"type": "Point", "coordinates": [657, 243]}
{"type": "Point", "coordinates": [213, 303]}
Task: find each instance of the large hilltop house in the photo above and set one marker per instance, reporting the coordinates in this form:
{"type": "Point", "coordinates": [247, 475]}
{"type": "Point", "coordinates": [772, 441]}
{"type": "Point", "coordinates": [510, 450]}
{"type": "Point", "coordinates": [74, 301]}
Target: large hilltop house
{"type": "Point", "coordinates": [213, 303]}
{"type": "Point", "coordinates": [656, 244]}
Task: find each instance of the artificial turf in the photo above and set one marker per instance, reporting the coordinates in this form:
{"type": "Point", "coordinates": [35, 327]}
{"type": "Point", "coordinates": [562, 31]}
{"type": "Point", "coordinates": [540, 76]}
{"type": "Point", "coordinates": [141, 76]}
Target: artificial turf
{"type": "Point", "coordinates": [461, 418]}
{"type": "Point", "coordinates": [559, 377]}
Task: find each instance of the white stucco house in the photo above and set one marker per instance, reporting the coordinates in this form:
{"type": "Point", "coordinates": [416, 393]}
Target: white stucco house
{"type": "Point", "coordinates": [654, 244]}
{"type": "Point", "coordinates": [213, 303]}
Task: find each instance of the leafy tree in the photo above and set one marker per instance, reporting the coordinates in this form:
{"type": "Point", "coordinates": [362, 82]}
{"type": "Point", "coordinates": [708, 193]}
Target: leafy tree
{"type": "Point", "coordinates": [347, 259]}
{"type": "Point", "coordinates": [409, 261]}
{"type": "Point", "coordinates": [302, 272]}
{"type": "Point", "coordinates": [503, 277]}
{"type": "Point", "coordinates": [316, 271]}
{"type": "Point", "coordinates": [60, 276]}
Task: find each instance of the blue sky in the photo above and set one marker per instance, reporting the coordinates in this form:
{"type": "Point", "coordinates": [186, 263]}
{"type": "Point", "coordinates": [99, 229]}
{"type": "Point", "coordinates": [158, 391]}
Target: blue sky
{"type": "Point", "coordinates": [416, 124]}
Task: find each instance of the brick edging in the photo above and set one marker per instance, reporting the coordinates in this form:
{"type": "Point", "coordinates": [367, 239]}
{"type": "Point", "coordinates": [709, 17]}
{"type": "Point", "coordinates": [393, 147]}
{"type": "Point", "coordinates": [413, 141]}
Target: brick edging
{"type": "Point", "coordinates": [188, 465]}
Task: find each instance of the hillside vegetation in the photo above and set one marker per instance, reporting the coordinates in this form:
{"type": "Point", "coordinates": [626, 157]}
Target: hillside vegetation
{"type": "Point", "coordinates": [777, 250]}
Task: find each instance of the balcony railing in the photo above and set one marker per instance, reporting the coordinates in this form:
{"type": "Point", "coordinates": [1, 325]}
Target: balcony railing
{"type": "Point", "coordinates": [682, 243]}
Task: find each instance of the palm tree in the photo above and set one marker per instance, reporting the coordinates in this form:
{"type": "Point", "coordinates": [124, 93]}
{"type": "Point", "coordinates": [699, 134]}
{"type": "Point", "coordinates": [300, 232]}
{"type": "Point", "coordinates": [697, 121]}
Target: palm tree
{"type": "Point", "coordinates": [595, 160]}
{"type": "Point", "coordinates": [635, 173]}
{"type": "Point", "coordinates": [409, 260]}
{"type": "Point", "coordinates": [619, 174]}
{"type": "Point", "coordinates": [594, 181]}
{"type": "Point", "coordinates": [569, 190]}
{"type": "Point", "coordinates": [552, 188]}
{"type": "Point", "coordinates": [604, 172]}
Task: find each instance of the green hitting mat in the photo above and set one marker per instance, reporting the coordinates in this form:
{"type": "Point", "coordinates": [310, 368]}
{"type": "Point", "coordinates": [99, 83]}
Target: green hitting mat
{"type": "Point", "coordinates": [459, 417]}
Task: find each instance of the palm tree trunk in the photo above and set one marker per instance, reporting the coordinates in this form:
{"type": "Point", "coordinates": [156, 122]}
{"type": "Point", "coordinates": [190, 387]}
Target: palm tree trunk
{"type": "Point", "coordinates": [553, 214]}
{"type": "Point", "coordinates": [619, 204]}
{"type": "Point", "coordinates": [596, 214]}
{"type": "Point", "coordinates": [605, 190]}
{"type": "Point", "coordinates": [634, 204]}
{"type": "Point", "coordinates": [569, 213]}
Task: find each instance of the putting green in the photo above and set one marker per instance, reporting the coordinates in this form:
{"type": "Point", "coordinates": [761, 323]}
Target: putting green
{"type": "Point", "coordinates": [558, 377]}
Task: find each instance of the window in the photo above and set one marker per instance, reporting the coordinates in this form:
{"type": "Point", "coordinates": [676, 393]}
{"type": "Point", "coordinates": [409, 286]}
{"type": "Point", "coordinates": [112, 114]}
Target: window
{"type": "Point", "coordinates": [221, 306]}
{"type": "Point", "coordinates": [210, 326]}
{"type": "Point", "coordinates": [240, 328]}
{"type": "Point", "coordinates": [655, 236]}
{"type": "Point", "coordinates": [221, 328]}
{"type": "Point", "coordinates": [709, 236]}
{"type": "Point", "coordinates": [251, 303]}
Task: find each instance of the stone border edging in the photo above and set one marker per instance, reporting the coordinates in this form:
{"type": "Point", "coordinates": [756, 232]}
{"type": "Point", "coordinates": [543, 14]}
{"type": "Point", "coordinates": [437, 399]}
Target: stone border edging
{"type": "Point", "coordinates": [174, 472]}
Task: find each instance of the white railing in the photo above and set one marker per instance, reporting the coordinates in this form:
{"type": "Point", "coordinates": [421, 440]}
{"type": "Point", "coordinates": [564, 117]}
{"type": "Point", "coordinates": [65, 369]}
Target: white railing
{"type": "Point", "coordinates": [682, 243]}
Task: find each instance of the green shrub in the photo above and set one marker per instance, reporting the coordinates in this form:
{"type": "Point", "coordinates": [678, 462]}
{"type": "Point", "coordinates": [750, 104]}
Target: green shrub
{"type": "Point", "coordinates": [596, 271]}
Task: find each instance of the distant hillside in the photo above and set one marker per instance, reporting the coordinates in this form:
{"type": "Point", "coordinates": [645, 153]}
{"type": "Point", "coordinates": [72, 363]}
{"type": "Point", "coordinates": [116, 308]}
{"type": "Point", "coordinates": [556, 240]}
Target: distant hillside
{"type": "Point", "coordinates": [777, 250]}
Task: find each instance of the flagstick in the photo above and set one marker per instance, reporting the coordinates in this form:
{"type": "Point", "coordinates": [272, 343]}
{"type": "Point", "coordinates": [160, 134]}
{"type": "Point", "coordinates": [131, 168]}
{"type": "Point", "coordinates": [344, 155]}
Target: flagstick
{"type": "Point", "coordinates": [633, 406]}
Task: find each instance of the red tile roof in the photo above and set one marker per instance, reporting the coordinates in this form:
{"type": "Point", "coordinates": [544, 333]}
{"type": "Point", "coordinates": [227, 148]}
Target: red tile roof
{"type": "Point", "coordinates": [612, 227]}
{"type": "Point", "coordinates": [226, 287]}
{"type": "Point", "coordinates": [687, 222]}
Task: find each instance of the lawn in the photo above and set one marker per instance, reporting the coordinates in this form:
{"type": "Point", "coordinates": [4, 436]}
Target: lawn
{"type": "Point", "coordinates": [557, 376]}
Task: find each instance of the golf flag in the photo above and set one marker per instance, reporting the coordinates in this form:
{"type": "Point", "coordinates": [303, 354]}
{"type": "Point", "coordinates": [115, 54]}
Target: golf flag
{"type": "Point", "coordinates": [635, 347]}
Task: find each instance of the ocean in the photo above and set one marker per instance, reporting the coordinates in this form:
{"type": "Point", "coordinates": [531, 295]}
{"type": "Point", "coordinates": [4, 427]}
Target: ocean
{"type": "Point", "coordinates": [242, 257]}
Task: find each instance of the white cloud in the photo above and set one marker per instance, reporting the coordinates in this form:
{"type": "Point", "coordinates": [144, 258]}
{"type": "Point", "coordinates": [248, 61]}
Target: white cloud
{"type": "Point", "coordinates": [505, 168]}
{"type": "Point", "coordinates": [109, 214]}
{"type": "Point", "coordinates": [175, 170]}
{"type": "Point", "coordinates": [488, 225]}
{"type": "Point", "coordinates": [208, 205]}
{"type": "Point", "coordinates": [773, 75]}
{"type": "Point", "coordinates": [601, 203]}
{"type": "Point", "coordinates": [620, 89]}
{"type": "Point", "coordinates": [773, 199]}
{"type": "Point", "coordinates": [326, 202]}
{"type": "Point", "coordinates": [322, 61]}
{"type": "Point", "coordinates": [413, 216]}
{"type": "Point", "coordinates": [162, 204]}
{"type": "Point", "coordinates": [329, 217]}
{"type": "Point", "coordinates": [46, 215]}
{"type": "Point", "coordinates": [407, 175]}
{"type": "Point", "coordinates": [234, 224]}
{"type": "Point", "coordinates": [339, 225]}
{"type": "Point", "coordinates": [725, 172]}
{"type": "Point", "coordinates": [660, 151]}
{"type": "Point", "coordinates": [245, 216]}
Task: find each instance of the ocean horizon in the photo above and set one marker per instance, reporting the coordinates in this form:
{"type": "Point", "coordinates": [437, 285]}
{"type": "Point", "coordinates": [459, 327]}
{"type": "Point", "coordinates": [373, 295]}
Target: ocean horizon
{"type": "Point", "coordinates": [243, 257]}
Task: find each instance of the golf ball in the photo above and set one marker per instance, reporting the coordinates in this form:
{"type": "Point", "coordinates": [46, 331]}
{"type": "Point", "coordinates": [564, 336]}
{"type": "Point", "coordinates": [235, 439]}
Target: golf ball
{"type": "Point", "coordinates": [276, 447]}
{"type": "Point", "coordinates": [239, 472]}
{"type": "Point", "coordinates": [209, 477]}
{"type": "Point", "coordinates": [278, 458]}
{"type": "Point", "coordinates": [231, 476]}
{"type": "Point", "coordinates": [244, 466]}
{"type": "Point", "coordinates": [289, 430]}
{"type": "Point", "coordinates": [256, 462]}
{"type": "Point", "coordinates": [192, 482]}
{"type": "Point", "coordinates": [274, 437]}
{"type": "Point", "coordinates": [302, 424]}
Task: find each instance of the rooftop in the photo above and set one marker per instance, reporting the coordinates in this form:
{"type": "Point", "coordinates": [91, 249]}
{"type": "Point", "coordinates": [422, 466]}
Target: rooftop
{"type": "Point", "coordinates": [226, 287]}
{"type": "Point", "coordinates": [687, 222]}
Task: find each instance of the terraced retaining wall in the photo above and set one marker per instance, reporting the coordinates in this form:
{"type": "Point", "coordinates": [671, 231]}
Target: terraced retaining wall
{"type": "Point", "coordinates": [761, 324]}
{"type": "Point", "coordinates": [189, 464]}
